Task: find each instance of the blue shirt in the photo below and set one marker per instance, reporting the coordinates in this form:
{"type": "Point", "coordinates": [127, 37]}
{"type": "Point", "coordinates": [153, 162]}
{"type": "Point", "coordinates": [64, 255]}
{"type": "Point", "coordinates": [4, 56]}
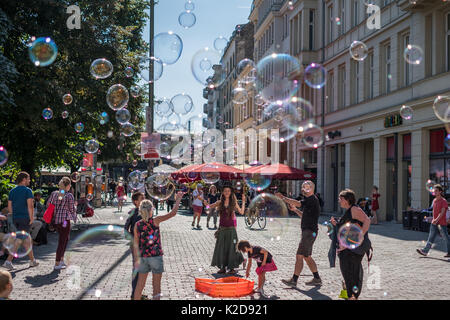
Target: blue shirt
{"type": "Point", "coordinates": [19, 196]}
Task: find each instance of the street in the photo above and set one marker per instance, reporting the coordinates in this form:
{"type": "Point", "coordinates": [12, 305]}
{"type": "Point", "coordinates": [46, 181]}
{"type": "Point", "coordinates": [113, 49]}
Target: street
{"type": "Point", "coordinates": [396, 271]}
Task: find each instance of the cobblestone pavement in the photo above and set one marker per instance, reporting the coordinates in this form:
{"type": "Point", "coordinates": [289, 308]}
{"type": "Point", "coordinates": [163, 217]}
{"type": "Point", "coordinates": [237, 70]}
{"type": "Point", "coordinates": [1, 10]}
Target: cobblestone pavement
{"type": "Point", "coordinates": [396, 271]}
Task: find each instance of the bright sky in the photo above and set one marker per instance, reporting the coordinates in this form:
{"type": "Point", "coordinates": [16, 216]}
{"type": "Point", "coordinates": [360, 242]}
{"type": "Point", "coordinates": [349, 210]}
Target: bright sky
{"type": "Point", "coordinates": [214, 18]}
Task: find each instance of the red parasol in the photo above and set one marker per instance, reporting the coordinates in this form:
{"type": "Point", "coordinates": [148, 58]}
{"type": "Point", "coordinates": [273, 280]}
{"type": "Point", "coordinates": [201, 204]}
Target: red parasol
{"type": "Point", "coordinates": [225, 172]}
{"type": "Point", "coordinates": [281, 172]}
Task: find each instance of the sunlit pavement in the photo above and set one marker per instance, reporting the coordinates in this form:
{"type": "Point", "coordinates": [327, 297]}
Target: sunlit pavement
{"type": "Point", "coordinates": [396, 271]}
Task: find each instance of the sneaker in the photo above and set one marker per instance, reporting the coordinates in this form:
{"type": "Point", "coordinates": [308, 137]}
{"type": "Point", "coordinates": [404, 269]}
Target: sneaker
{"type": "Point", "coordinates": [290, 282]}
{"type": "Point", "coordinates": [193, 223]}
{"type": "Point", "coordinates": [447, 255]}
{"type": "Point", "coordinates": [59, 266]}
{"type": "Point", "coordinates": [8, 265]}
{"type": "Point", "coordinates": [33, 264]}
{"type": "Point", "coordinates": [198, 227]}
{"type": "Point", "coordinates": [420, 251]}
{"type": "Point", "coordinates": [314, 282]}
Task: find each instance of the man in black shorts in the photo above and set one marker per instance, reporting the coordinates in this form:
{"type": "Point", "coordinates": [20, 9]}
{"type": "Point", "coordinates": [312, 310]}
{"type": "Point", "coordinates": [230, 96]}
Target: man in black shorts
{"type": "Point", "coordinates": [310, 218]}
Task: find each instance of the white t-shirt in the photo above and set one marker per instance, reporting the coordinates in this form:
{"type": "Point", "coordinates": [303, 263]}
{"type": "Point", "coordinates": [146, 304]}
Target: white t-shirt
{"type": "Point", "coordinates": [197, 202]}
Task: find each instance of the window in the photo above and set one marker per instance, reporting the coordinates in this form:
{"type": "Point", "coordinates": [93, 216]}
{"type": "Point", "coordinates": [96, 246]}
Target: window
{"type": "Point", "coordinates": [369, 79]}
{"type": "Point", "coordinates": [331, 23]}
{"type": "Point", "coordinates": [385, 68]}
{"type": "Point", "coordinates": [406, 65]}
{"type": "Point", "coordinates": [448, 42]}
{"type": "Point", "coordinates": [355, 13]}
{"type": "Point", "coordinates": [355, 81]}
{"type": "Point", "coordinates": [311, 29]}
{"type": "Point", "coordinates": [388, 68]}
{"type": "Point", "coordinates": [341, 86]}
{"type": "Point", "coordinates": [428, 45]}
{"type": "Point", "coordinates": [342, 17]}
{"type": "Point", "coordinates": [330, 91]}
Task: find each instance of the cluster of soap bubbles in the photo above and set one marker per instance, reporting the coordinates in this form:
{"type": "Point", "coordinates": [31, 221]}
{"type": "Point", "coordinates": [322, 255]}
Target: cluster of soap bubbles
{"type": "Point", "coordinates": [187, 19]}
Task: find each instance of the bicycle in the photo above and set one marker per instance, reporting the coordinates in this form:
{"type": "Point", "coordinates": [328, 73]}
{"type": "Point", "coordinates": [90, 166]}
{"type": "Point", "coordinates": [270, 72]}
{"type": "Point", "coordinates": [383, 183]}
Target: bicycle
{"type": "Point", "coordinates": [257, 215]}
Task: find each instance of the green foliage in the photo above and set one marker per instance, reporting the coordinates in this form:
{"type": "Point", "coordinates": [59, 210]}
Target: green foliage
{"type": "Point", "coordinates": [110, 29]}
{"type": "Point", "coordinates": [8, 174]}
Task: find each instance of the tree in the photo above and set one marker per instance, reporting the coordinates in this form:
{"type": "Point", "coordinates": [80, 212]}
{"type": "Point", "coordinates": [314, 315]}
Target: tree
{"type": "Point", "coordinates": [110, 29]}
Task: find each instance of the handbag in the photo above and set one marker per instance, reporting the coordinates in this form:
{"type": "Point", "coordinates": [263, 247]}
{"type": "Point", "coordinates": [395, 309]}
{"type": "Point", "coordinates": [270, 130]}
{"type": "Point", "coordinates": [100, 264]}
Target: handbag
{"type": "Point", "coordinates": [48, 214]}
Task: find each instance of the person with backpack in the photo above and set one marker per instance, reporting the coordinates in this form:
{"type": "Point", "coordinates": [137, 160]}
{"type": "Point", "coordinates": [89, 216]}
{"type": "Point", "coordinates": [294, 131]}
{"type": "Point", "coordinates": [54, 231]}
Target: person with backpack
{"type": "Point", "coordinates": [64, 211]}
{"type": "Point", "coordinates": [350, 258]}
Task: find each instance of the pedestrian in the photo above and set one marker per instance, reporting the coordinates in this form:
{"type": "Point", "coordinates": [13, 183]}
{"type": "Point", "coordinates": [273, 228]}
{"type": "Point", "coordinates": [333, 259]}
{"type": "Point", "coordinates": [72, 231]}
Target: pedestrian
{"type": "Point", "coordinates": [6, 285]}
{"type": "Point", "coordinates": [263, 259]}
{"type": "Point", "coordinates": [112, 189]}
{"type": "Point", "coordinates": [20, 205]}
{"type": "Point", "coordinates": [197, 204]}
{"type": "Point", "coordinates": [213, 197]}
{"type": "Point", "coordinates": [133, 217]}
{"type": "Point", "coordinates": [375, 205]}
{"type": "Point", "coordinates": [226, 254]}
{"type": "Point", "coordinates": [147, 246]}
{"type": "Point", "coordinates": [121, 196]}
{"type": "Point", "coordinates": [310, 218]}
{"type": "Point", "coordinates": [39, 208]}
{"type": "Point", "coordinates": [438, 223]}
{"type": "Point", "coordinates": [65, 211]}
{"type": "Point", "coordinates": [171, 202]}
{"type": "Point", "coordinates": [350, 259]}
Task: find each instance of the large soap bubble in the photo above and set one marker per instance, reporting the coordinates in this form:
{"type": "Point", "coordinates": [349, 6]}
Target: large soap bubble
{"type": "Point", "coordinates": [441, 107]}
{"type": "Point", "coordinates": [350, 236]}
{"type": "Point", "coordinates": [207, 68]}
{"type": "Point", "coordinates": [127, 129]}
{"type": "Point", "coordinates": [43, 52]}
{"type": "Point", "coordinates": [92, 146]}
{"type": "Point", "coordinates": [123, 116]}
{"type": "Point", "coordinates": [135, 180]}
{"type": "Point", "coordinates": [246, 71]}
{"type": "Point", "coordinates": [168, 47]}
{"type": "Point", "coordinates": [156, 190]}
{"type": "Point", "coordinates": [220, 43]}
{"type": "Point", "coordinates": [3, 155]}
{"type": "Point", "coordinates": [144, 67]}
{"type": "Point", "coordinates": [101, 68]}
{"type": "Point", "coordinates": [182, 104]}
{"type": "Point", "coordinates": [117, 97]}
{"type": "Point", "coordinates": [164, 108]}
{"type": "Point", "coordinates": [273, 82]}
{"type": "Point", "coordinates": [187, 19]}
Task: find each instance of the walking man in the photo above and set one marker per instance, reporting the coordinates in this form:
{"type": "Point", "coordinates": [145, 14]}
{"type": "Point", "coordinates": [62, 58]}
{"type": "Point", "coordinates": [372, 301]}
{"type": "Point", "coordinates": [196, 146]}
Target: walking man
{"type": "Point", "coordinates": [310, 218]}
{"type": "Point", "coordinates": [20, 205]}
{"type": "Point", "coordinates": [439, 223]}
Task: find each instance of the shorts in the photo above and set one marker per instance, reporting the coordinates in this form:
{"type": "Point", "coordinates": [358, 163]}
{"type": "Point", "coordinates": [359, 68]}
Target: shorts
{"type": "Point", "coordinates": [306, 243]}
{"type": "Point", "coordinates": [153, 264]}
{"type": "Point", "coordinates": [197, 209]}
{"type": "Point", "coordinates": [267, 268]}
{"type": "Point", "coordinates": [22, 224]}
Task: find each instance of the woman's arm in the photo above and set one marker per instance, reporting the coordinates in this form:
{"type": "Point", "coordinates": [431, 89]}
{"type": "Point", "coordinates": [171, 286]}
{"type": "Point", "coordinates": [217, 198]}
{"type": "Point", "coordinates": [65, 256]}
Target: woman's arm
{"type": "Point", "coordinates": [360, 215]}
{"type": "Point", "coordinates": [266, 254]}
{"type": "Point", "coordinates": [214, 205]}
{"type": "Point", "coordinates": [172, 213]}
{"type": "Point", "coordinates": [136, 246]}
{"type": "Point", "coordinates": [240, 210]}
{"type": "Point", "coordinates": [249, 266]}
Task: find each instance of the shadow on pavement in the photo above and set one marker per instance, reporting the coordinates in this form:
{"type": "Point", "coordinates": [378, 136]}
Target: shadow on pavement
{"type": "Point", "coordinates": [42, 280]}
{"type": "Point", "coordinates": [274, 297]}
{"type": "Point", "coordinates": [441, 259]}
{"type": "Point", "coordinates": [313, 293]}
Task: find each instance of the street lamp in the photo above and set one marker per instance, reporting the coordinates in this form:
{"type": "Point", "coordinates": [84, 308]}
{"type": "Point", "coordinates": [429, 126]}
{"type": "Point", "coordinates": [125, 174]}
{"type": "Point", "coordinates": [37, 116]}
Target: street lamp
{"type": "Point", "coordinates": [151, 87]}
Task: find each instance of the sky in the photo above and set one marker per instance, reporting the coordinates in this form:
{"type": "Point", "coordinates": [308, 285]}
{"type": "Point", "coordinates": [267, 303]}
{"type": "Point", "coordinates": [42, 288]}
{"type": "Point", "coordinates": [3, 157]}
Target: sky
{"type": "Point", "coordinates": [214, 18]}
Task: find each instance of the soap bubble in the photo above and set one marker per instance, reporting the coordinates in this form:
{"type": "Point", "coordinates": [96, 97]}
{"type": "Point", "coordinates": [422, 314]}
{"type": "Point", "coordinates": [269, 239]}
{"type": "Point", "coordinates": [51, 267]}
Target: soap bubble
{"type": "Point", "coordinates": [312, 135]}
{"type": "Point", "coordinates": [164, 150]}
{"type": "Point", "coordinates": [140, 149]}
{"type": "Point", "coordinates": [43, 51]}
{"type": "Point", "coordinates": [92, 146]}
{"type": "Point", "coordinates": [413, 54]}
{"type": "Point", "coordinates": [182, 104]}
{"type": "Point", "coordinates": [350, 236]}
{"type": "Point", "coordinates": [3, 155]}
{"type": "Point", "coordinates": [123, 116]}
{"type": "Point", "coordinates": [258, 182]}
{"type": "Point", "coordinates": [104, 118]}
{"type": "Point", "coordinates": [158, 179]}
{"type": "Point", "coordinates": [187, 19]}
{"type": "Point", "coordinates": [117, 97]}
{"type": "Point", "coordinates": [209, 174]}
{"type": "Point", "coordinates": [447, 141]}
{"type": "Point", "coordinates": [246, 71]}
{"type": "Point", "coordinates": [135, 180]}
{"type": "Point", "coordinates": [160, 193]}
{"type": "Point", "coordinates": [127, 129]}
{"type": "Point", "coordinates": [174, 120]}
{"type": "Point", "coordinates": [67, 99]}
{"type": "Point", "coordinates": [281, 88]}
{"type": "Point", "coordinates": [129, 72]}
{"type": "Point", "coordinates": [315, 75]}
{"type": "Point", "coordinates": [329, 227]}
{"type": "Point", "coordinates": [441, 107]}
{"type": "Point", "coordinates": [220, 43]}
{"type": "Point", "coordinates": [207, 69]}
{"type": "Point", "coordinates": [358, 50]}
{"type": "Point", "coordinates": [19, 244]}
{"type": "Point", "coordinates": [168, 47]}
{"type": "Point", "coordinates": [89, 197]}
{"type": "Point", "coordinates": [430, 186]}
{"type": "Point", "coordinates": [65, 114]}
{"type": "Point", "coordinates": [406, 112]}
{"type": "Point", "coordinates": [164, 108]}
{"type": "Point", "coordinates": [144, 67]}
{"type": "Point", "coordinates": [135, 91]}
{"type": "Point", "coordinates": [75, 177]}
{"type": "Point", "coordinates": [101, 68]}
{"type": "Point", "coordinates": [259, 100]}
{"type": "Point", "coordinates": [239, 95]}
{"type": "Point", "coordinates": [189, 5]}
{"type": "Point", "coordinates": [79, 127]}
{"type": "Point", "coordinates": [47, 113]}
